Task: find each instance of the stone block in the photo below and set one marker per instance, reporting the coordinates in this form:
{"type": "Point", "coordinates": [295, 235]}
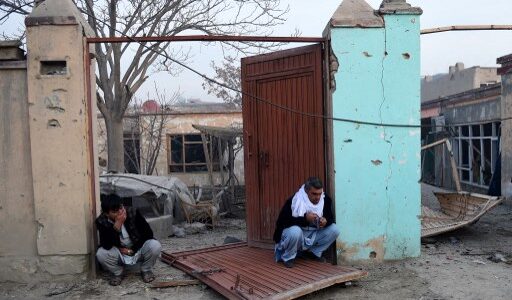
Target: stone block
{"type": "Point", "coordinates": [64, 264]}
{"type": "Point", "coordinates": [194, 228]}
{"type": "Point", "coordinates": [17, 269]}
{"type": "Point", "coordinates": [161, 226]}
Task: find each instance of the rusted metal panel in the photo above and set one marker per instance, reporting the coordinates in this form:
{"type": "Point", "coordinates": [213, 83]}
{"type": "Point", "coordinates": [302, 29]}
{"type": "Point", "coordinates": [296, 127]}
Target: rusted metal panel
{"type": "Point", "coordinates": [284, 144]}
{"type": "Point", "coordinates": [241, 272]}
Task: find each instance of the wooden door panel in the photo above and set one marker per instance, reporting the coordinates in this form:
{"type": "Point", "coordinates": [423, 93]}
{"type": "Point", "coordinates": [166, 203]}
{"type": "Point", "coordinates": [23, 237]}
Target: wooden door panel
{"type": "Point", "coordinates": [286, 147]}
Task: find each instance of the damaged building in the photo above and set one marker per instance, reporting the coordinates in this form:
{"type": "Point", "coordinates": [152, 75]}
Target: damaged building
{"type": "Point", "coordinates": [467, 106]}
{"type": "Point", "coordinates": [181, 153]}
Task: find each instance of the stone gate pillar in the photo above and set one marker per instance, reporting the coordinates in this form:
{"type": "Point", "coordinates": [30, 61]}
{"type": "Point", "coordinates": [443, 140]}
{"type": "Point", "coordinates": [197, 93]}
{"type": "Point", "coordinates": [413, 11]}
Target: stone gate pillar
{"type": "Point", "coordinates": [377, 168]}
{"type": "Point", "coordinates": [61, 130]}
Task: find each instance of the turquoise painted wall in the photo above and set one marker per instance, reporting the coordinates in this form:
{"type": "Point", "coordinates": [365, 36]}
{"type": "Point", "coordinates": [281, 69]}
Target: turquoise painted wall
{"type": "Point", "coordinates": [377, 169]}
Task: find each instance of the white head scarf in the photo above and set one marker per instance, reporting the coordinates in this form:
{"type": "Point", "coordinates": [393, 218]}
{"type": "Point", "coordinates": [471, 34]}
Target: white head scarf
{"type": "Point", "coordinates": [301, 204]}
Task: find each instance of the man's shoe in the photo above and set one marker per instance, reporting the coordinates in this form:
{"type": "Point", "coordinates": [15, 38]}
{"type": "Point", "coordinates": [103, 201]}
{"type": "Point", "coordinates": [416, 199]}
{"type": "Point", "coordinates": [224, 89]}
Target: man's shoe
{"type": "Point", "coordinates": [312, 256]}
{"type": "Point", "coordinates": [289, 263]}
{"type": "Point", "coordinates": [115, 280]}
{"type": "Point", "coordinates": [147, 276]}
{"type": "Point", "coordinates": [319, 259]}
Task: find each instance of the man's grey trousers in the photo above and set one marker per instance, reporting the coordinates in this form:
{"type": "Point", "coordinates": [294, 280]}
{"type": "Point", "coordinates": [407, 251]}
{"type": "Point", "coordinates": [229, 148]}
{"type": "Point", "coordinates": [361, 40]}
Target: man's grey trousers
{"type": "Point", "coordinates": [111, 259]}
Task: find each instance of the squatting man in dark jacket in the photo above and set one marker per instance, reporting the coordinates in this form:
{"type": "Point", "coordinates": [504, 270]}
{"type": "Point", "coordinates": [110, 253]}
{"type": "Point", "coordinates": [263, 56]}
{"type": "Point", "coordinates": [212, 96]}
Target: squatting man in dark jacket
{"type": "Point", "coordinates": [125, 239]}
{"type": "Point", "coordinates": [305, 224]}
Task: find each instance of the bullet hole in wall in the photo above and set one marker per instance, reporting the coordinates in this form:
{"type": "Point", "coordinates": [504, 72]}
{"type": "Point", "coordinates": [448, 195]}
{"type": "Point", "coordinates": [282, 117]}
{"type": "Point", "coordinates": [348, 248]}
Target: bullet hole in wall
{"type": "Point", "coordinates": [53, 123]}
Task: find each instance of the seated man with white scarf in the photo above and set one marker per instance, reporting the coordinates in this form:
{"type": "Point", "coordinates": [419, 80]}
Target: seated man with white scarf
{"type": "Point", "coordinates": [305, 223]}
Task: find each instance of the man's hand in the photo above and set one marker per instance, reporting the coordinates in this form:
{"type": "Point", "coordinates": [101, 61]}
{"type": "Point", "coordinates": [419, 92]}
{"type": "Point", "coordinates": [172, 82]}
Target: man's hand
{"type": "Point", "coordinates": [120, 218]}
{"type": "Point", "coordinates": [323, 222]}
{"type": "Point", "coordinates": [126, 251]}
{"type": "Point", "coordinates": [310, 217]}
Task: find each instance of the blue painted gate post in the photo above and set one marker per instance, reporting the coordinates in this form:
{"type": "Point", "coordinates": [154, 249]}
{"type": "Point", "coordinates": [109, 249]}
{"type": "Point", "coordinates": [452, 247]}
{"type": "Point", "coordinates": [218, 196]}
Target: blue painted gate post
{"type": "Point", "coordinates": [377, 168]}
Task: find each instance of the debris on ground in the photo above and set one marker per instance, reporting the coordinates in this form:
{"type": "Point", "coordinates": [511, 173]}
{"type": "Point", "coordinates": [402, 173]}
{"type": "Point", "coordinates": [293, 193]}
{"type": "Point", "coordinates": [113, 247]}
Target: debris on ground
{"type": "Point", "coordinates": [59, 290]}
{"type": "Point", "coordinates": [231, 240]}
{"type": "Point", "coordinates": [175, 283]}
{"type": "Point", "coordinates": [178, 232]}
{"type": "Point", "coordinates": [194, 228]}
{"type": "Point", "coordinates": [454, 240]}
{"type": "Point", "coordinates": [498, 257]}
{"type": "Point", "coordinates": [428, 240]}
{"type": "Point", "coordinates": [430, 276]}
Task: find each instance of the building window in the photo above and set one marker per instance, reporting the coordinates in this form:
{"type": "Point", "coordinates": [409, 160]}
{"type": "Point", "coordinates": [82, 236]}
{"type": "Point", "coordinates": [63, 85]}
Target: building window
{"type": "Point", "coordinates": [186, 153]}
{"type": "Point", "coordinates": [131, 147]}
{"type": "Point", "coordinates": [476, 151]}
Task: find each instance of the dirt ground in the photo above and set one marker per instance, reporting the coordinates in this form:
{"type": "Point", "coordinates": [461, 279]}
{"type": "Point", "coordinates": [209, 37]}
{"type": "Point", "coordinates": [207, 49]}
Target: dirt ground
{"type": "Point", "coordinates": [452, 266]}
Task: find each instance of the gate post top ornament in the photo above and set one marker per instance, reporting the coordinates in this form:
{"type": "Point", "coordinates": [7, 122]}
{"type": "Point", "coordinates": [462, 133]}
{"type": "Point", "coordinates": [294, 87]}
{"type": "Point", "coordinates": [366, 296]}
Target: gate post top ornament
{"type": "Point", "coordinates": [398, 7]}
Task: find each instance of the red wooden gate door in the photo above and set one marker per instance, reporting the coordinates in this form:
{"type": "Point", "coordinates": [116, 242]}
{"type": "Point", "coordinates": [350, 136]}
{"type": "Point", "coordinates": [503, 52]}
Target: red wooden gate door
{"type": "Point", "coordinates": [282, 146]}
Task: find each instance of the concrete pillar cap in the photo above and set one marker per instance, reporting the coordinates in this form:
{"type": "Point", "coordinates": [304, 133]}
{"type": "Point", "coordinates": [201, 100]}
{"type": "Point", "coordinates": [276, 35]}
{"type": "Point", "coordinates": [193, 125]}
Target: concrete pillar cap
{"type": "Point", "coordinates": [10, 50]}
{"type": "Point", "coordinates": [398, 7]}
{"type": "Point", "coordinates": [10, 43]}
{"type": "Point", "coordinates": [58, 12]}
{"type": "Point", "coordinates": [356, 13]}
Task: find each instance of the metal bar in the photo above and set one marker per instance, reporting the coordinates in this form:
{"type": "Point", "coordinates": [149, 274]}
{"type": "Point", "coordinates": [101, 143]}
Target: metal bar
{"type": "Point", "coordinates": [203, 250]}
{"type": "Point", "coordinates": [92, 177]}
{"type": "Point", "coordinates": [466, 28]}
{"type": "Point", "coordinates": [482, 157]}
{"type": "Point", "coordinates": [454, 166]}
{"type": "Point", "coordinates": [207, 38]}
{"type": "Point", "coordinates": [470, 153]}
{"type": "Point", "coordinates": [459, 150]}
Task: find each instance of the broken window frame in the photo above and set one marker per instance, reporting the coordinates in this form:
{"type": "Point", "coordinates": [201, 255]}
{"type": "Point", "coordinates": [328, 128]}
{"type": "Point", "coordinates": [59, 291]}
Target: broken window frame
{"type": "Point", "coordinates": [185, 167]}
{"type": "Point", "coordinates": [471, 141]}
{"type": "Point", "coordinates": [131, 146]}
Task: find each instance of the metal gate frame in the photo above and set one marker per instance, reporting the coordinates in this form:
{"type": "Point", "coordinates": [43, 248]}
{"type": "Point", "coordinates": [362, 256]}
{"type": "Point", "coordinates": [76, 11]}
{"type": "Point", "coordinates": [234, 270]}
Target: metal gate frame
{"type": "Point", "coordinates": [88, 57]}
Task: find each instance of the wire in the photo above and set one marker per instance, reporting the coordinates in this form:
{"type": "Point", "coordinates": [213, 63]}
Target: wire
{"type": "Point", "coordinates": [279, 106]}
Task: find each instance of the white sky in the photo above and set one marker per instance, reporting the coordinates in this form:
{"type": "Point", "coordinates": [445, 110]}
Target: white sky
{"type": "Point", "coordinates": [438, 50]}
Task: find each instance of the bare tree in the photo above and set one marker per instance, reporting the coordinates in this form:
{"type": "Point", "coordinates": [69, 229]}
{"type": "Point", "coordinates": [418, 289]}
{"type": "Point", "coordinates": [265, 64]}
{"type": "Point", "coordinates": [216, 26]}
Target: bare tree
{"type": "Point", "coordinates": [145, 124]}
{"type": "Point", "coordinates": [10, 7]}
{"type": "Point", "coordinates": [108, 18]}
{"type": "Point", "coordinates": [228, 74]}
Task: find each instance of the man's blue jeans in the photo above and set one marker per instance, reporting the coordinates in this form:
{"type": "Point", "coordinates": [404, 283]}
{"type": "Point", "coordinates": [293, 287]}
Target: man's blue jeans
{"type": "Point", "coordinates": [296, 239]}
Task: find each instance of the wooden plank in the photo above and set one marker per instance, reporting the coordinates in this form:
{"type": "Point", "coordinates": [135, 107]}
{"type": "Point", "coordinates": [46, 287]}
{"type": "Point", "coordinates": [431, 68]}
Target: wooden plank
{"type": "Point", "coordinates": [221, 160]}
{"type": "Point", "coordinates": [434, 144]}
{"type": "Point", "coordinates": [208, 158]}
{"type": "Point", "coordinates": [455, 172]}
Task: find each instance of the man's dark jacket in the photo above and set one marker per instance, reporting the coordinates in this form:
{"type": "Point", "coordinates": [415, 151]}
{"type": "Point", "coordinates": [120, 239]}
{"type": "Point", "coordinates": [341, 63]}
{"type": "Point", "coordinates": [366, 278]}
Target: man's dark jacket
{"type": "Point", "coordinates": [286, 219]}
{"type": "Point", "coordinates": [137, 227]}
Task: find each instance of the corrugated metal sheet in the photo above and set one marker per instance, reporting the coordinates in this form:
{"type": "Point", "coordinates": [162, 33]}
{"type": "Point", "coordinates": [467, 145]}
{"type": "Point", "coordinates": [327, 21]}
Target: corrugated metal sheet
{"type": "Point", "coordinates": [283, 147]}
{"type": "Point", "coordinates": [241, 272]}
